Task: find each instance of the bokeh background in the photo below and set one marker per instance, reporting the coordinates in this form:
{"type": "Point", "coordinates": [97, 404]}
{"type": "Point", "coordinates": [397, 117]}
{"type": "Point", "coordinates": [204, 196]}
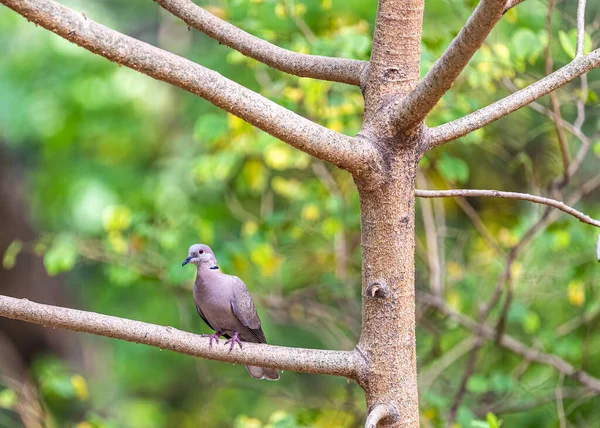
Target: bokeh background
{"type": "Point", "coordinates": [107, 177]}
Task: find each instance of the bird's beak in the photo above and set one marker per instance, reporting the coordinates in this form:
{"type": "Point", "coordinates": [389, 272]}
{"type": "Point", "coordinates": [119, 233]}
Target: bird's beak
{"type": "Point", "coordinates": [186, 261]}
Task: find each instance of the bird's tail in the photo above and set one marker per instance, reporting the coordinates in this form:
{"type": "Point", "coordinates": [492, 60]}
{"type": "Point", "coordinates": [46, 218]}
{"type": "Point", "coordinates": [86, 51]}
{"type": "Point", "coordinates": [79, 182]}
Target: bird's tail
{"type": "Point", "coordinates": [263, 373]}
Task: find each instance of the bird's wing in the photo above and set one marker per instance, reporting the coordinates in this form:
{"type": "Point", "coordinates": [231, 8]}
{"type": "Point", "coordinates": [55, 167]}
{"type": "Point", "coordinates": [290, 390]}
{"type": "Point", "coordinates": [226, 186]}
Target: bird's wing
{"type": "Point", "coordinates": [245, 311]}
{"type": "Point", "coordinates": [203, 317]}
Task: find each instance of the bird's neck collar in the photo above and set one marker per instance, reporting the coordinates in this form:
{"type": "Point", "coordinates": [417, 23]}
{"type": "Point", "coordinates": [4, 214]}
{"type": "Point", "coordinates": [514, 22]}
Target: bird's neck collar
{"type": "Point", "coordinates": [215, 267]}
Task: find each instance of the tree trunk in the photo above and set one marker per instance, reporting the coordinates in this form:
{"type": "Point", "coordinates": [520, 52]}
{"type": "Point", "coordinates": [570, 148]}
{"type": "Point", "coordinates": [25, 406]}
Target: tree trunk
{"type": "Point", "coordinates": [387, 340]}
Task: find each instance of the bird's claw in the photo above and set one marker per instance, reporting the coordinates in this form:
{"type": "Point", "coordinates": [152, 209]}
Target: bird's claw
{"type": "Point", "coordinates": [212, 337]}
{"type": "Point", "coordinates": [233, 341]}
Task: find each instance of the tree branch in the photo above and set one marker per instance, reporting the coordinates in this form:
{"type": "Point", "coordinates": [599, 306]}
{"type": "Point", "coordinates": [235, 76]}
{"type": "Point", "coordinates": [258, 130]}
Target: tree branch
{"type": "Point", "coordinates": [447, 68]}
{"type": "Point", "coordinates": [508, 195]}
{"type": "Point", "coordinates": [315, 66]}
{"type": "Point", "coordinates": [316, 140]}
{"type": "Point", "coordinates": [512, 344]}
{"type": "Point", "coordinates": [335, 363]}
{"type": "Point", "coordinates": [378, 413]}
{"type": "Point", "coordinates": [580, 28]}
{"type": "Point", "coordinates": [460, 127]}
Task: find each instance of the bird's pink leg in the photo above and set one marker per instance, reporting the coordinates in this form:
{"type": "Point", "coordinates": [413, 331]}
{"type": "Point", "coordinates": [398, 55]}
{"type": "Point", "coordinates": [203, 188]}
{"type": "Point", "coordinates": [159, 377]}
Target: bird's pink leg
{"type": "Point", "coordinates": [233, 341]}
{"type": "Point", "coordinates": [214, 336]}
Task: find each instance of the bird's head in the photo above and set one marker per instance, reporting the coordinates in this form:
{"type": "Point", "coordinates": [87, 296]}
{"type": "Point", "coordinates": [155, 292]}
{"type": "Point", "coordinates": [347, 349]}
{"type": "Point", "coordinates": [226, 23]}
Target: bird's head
{"type": "Point", "coordinates": [199, 254]}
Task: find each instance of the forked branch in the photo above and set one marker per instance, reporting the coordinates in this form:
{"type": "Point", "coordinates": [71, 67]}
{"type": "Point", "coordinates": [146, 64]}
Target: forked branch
{"type": "Point", "coordinates": [315, 66]}
{"type": "Point", "coordinates": [336, 363]}
{"type": "Point", "coordinates": [447, 68]}
{"type": "Point", "coordinates": [508, 195]}
{"type": "Point", "coordinates": [463, 126]}
{"type": "Point", "coordinates": [278, 121]}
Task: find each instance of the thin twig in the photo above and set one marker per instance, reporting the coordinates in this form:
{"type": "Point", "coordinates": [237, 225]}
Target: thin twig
{"type": "Point", "coordinates": [336, 363]}
{"type": "Point", "coordinates": [303, 65]}
{"type": "Point", "coordinates": [562, 141]}
{"type": "Point", "coordinates": [433, 259]}
{"type": "Point", "coordinates": [580, 28]}
{"type": "Point", "coordinates": [508, 195]}
{"type": "Point", "coordinates": [512, 344]}
{"type": "Point", "coordinates": [560, 408]}
{"type": "Point", "coordinates": [478, 119]}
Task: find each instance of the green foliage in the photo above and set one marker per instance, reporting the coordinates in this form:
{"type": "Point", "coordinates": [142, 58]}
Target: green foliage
{"type": "Point", "coordinates": [124, 173]}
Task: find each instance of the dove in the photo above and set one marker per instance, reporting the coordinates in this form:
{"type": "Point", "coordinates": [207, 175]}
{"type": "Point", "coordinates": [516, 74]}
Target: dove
{"type": "Point", "coordinates": [226, 306]}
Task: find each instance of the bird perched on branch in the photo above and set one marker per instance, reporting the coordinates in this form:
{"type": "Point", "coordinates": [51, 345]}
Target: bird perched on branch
{"type": "Point", "coordinates": [225, 305]}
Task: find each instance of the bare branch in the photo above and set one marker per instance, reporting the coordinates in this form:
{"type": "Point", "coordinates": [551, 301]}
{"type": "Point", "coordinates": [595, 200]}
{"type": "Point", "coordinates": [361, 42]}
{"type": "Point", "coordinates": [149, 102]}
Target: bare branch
{"type": "Point", "coordinates": [335, 363]}
{"type": "Point", "coordinates": [378, 413]}
{"type": "Point", "coordinates": [295, 130]}
{"type": "Point", "coordinates": [433, 259]}
{"type": "Point", "coordinates": [562, 141]}
{"type": "Point", "coordinates": [315, 66]}
{"type": "Point", "coordinates": [460, 127]}
{"type": "Point", "coordinates": [580, 28]}
{"type": "Point", "coordinates": [512, 344]}
{"type": "Point", "coordinates": [508, 195]}
{"type": "Point", "coordinates": [447, 68]}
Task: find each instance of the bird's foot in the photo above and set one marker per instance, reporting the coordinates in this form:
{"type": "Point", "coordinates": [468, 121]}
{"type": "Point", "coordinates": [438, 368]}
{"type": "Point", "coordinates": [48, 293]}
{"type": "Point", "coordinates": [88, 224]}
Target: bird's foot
{"type": "Point", "coordinates": [233, 341]}
{"type": "Point", "coordinates": [214, 336]}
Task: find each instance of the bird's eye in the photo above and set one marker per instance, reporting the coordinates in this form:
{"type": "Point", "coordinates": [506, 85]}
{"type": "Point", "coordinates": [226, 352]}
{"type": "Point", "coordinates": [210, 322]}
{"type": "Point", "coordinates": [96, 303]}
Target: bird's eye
{"type": "Point", "coordinates": [201, 252]}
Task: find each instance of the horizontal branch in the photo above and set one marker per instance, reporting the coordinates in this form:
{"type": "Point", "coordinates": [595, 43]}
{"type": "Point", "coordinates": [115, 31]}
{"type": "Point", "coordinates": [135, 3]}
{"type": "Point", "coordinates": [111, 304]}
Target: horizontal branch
{"type": "Point", "coordinates": [508, 195]}
{"type": "Point", "coordinates": [316, 140]}
{"type": "Point", "coordinates": [512, 344]}
{"type": "Point", "coordinates": [318, 67]}
{"type": "Point", "coordinates": [446, 69]}
{"type": "Point", "coordinates": [460, 127]}
{"type": "Point", "coordinates": [335, 363]}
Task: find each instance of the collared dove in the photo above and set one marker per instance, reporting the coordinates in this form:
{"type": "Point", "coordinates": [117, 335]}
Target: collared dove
{"type": "Point", "coordinates": [225, 305]}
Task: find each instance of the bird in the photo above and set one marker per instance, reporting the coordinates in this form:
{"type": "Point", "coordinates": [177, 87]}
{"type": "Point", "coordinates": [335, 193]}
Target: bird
{"type": "Point", "coordinates": [226, 306]}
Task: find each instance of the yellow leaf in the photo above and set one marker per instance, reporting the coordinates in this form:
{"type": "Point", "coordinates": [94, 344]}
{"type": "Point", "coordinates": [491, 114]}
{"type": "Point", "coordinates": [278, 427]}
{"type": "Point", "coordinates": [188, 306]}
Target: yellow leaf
{"type": "Point", "coordinates": [561, 240]}
{"type": "Point", "coordinates": [516, 270]}
{"type": "Point", "coordinates": [255, 175]}
{"type": "Point", "coordinates": [278, 156]}
{"type": "Point", "coordinates": [80, 386]}
{"type": "Point", "coordinates": [511, 15]}
{"type": "Point", "coordinates": [280, 11]}
{"type": "Point", "coordinates": [454, 300]}
{"type": "Point", "coordinates": [249, 228]}
{"type": "Point", "coordinates": [576, 293]}
{"type": "Point", "coordinates": [455, 271]}
{"type": "Point", "coordinates": [117, 242]}
{"type": "Point", "coordinates": [310, 212]}
{"type": "Point", "coordinates": [116, 217]}
{"type": "Point", "coordinates": [430, 413]}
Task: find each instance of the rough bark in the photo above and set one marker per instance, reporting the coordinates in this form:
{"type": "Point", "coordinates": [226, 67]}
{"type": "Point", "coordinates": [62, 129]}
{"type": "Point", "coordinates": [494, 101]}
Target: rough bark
{"type": "Point", "coordinates": [387, 340]}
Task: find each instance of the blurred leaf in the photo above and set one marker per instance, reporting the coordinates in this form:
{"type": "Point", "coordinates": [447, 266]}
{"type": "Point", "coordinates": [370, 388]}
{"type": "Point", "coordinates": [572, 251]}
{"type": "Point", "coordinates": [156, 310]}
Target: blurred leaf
{"type": "Point", "coordinates": [11, 253]}
{"type": "Point", "coordinates": [568, 41]}
{"type": "Point", "coordinates": [493, 421]}
{"type": "Point", "coordinates": [80, 386]}
{"type": "Point", "coordinates": [61, 256]}
{"type": "Point", "coordinates": [454, 170]}
{"type": "Point", "coordinates": [477, 384]}
{"type": "Point", "coordinates": [576, 291]}
{"type": "Point", "coordinates": [8, 399]}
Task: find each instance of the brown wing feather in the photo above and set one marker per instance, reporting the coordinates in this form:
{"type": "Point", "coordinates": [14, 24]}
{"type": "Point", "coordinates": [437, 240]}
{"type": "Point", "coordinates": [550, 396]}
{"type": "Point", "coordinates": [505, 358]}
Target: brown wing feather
{"type": "Point", "coordinates": [245, 311]}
